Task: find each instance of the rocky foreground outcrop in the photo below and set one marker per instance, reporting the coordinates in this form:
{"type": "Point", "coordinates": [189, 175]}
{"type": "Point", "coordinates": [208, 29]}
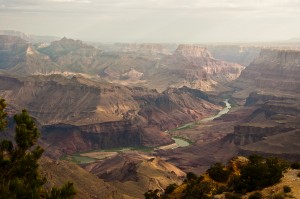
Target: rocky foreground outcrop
{"type": "Point", "coordinates": [78, 114]}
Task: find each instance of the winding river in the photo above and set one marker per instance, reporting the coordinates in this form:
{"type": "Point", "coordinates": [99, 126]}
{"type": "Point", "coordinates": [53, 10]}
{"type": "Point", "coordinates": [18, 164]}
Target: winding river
{"type": "Point", "coordinates": [93, 156]}
{"type": "Point", "coordinates": [179, 142]}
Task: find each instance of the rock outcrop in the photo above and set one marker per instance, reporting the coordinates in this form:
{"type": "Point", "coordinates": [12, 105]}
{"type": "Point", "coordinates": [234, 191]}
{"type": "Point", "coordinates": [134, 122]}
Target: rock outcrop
{"type": "Point", "coordinates": [273, 70]}
{"type": "Point", "coordinates": [195, 67]}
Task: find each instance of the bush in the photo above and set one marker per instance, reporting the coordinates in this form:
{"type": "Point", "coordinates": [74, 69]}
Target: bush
{"type": "Point", "coordinates": [258, 174]}
{"type": "Point", "coordinates": [190, 176]}
{"type": "Point", "coordinates": [287, 189]}
{"type": "Point", "coordinates": [152, 194]}
{"type": "Point", "coordinates": [221, 189]}
{"type": "Point", "coordinates": [295, 165]}
{"type": "Point", "coordinates": [200, 190]}
{"type": "Point", "coordinates": [256, 195]}
{"type": "Point", "coordinates": [218, 172]}
{"type": "Point", "coordinates": [232, 196]}
{"type": "Point", "coordinates": [170, 188]}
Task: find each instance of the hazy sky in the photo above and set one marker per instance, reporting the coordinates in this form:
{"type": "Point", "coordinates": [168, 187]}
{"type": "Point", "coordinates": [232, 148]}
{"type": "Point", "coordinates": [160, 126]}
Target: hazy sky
{"type": "Point", "coordinates": [155, 20]}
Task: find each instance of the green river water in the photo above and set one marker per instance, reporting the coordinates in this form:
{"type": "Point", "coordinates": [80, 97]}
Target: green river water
{"type": "Point", "coordinates": [183, 143]}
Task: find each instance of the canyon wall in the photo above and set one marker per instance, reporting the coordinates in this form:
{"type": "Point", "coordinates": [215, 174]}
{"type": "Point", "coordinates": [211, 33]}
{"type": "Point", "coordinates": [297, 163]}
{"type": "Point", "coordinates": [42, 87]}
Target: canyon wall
{"type": "Point", "coordinates": [77, 114]}
{"type": "Point", "coordinates": [274, 70]}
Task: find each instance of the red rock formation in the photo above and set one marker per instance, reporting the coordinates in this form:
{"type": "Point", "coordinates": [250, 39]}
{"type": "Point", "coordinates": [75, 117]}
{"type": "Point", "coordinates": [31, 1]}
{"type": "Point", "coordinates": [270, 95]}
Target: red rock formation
{"type": "Point", "coordinates": [195, 67]}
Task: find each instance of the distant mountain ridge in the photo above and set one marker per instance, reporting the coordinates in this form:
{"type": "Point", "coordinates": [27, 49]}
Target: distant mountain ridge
{"type": "Point", "coordinates": [28, 37]}
{"type": "Point", "coordinates": [146, 65]}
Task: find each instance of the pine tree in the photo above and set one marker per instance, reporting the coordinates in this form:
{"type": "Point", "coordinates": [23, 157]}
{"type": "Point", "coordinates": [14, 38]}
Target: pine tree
{"type": "Point", "coordinates": [19, 176]}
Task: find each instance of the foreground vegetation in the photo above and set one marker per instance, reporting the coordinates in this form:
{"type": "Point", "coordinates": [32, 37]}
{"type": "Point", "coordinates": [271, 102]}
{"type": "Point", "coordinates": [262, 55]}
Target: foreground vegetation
{"type": "Point", "coordinates": [19, 175]}
{"type": "Point", "coordinates": [240, 177]}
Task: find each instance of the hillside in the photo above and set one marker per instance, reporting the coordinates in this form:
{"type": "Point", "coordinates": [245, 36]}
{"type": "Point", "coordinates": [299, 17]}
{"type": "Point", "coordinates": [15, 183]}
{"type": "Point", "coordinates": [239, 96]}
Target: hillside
{"type": "Point", "coordinates": [135, 173]}
{"type": "Point", "coordinates": [241, 178]}
{"type": "Point", "coordinates": [86, 184]}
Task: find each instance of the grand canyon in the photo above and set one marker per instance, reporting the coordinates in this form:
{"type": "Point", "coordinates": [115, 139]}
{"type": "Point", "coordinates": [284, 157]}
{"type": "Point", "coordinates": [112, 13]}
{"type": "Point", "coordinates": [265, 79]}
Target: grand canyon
{"type": "Point", "coordinates": [123, 118]}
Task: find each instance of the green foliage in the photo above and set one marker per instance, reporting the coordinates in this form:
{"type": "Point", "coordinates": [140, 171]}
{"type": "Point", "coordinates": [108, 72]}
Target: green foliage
{"type": "Point", "coordinates": [218, 172]}
{"type": "Point", "coordinates": [67, 191]}
{"type": "Point", "coordinates": [295, 165]}
{"type": "Point", "coordinates": [3, 115]}
{"type": "Point", "coordinates": [221, 189]}
{"type": "Point", "coordinates": [199, 190]}
{"type": "Point", "coordinates": [258, 173]}
{"type": "Point", "coordinates": [287, 189]}
{"type": "Point", "coordinates": [256, 195]}
{"type": "Point", "coordinates": [190, 176]}
{"type": "Point", "coordinates": [19, 177]}
{"type": "Point", "coordinates": [169, 189]}
{"type": "Point", "coordinates": [26, 131]}
{"type": "Point", "coordinates": [152, 194]}
{"type": "Point", "coordinates": [232, 196]}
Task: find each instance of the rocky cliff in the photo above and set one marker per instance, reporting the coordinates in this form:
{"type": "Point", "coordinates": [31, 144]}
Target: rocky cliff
{"type": "Point", "coordinates": [241, 54]}
{"type": "Point", "coordinates": [12, 51]}
{"type": "Point", "coordinates": [76, 113]}
{"type": "Point", "coordinates": [195, 67]}
{"type": "Point", "coordinates": [273, 70]}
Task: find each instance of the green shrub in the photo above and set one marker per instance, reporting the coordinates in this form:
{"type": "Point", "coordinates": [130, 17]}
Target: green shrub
{"type": "Point", "coordinates": [169, 189]}
{"type": "Point", "coordinates": [256, 195]}
{"type": "Point", "coordinates": [295, 165]}
{"type": "Point", "coordinates": [218, 172]}
{"type": "Point", "coordinates": [287, 189]}
{"type": "Point", "coordinates": [258, 174]}
{"type": "Point", "coordinates": [232, 196]}
{"type": "Point", "coordinates": [191, 176]}
{"type": "Point", "coordinates": [200, 190]}
{"type": "Point", "coordinates": [221, 189]}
